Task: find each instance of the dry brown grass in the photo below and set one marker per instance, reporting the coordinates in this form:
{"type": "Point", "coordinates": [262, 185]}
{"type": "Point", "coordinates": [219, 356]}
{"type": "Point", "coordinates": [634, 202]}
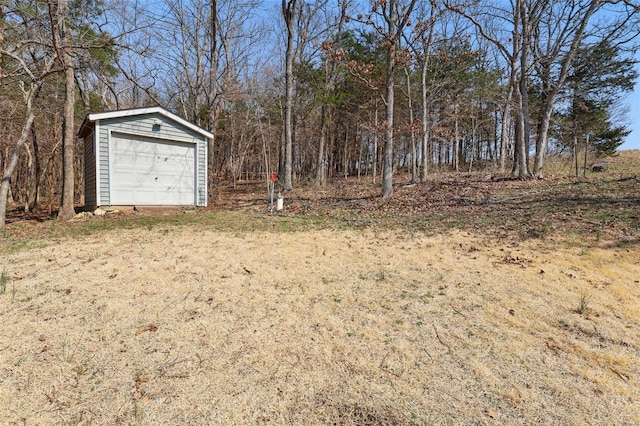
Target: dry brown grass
{"type": "Point", "coordinates": [471, 299]}
{"type": "Point", "coordinates": [194, 326]}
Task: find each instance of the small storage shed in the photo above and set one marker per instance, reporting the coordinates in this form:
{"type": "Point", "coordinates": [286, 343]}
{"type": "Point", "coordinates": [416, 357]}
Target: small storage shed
{"type": "Point", "coordinates": [143, 157]}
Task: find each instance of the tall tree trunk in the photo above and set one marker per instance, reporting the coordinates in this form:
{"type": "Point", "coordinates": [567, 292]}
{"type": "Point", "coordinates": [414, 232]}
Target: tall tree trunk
{"type": "Point", "coordinates": [66, 57]}
{"type": "Point", "coordinates": [525, 117]}
{"type": "Point", "coordinates": [67, 205]}
{"type": "Point", "coordinates": [520, 160]}
{"type": "Point", "coordinates": [213, 94]}
{"type": "Point", "coordinates": [321, 163]}
{"type": "Point", "coordinates": [2, 29]}
{"type": "Point", "coordinates": [412, 132]}
{"type": "Point", "coordinates": [504, 130]}
{"type": "Point", "coordinates": [575, 153]}
{"type": "Point", "coordinates": [288, 11]}
{"type": "Point", "coordinates": [395, 22]}
{"type": "Point", "coordinates": [424, 166]}
{"type": "Point", "coordinates": [281, 152]}
{"type": "Point", "coordinates": [473, 144]}
{"type": "Point", "coordinates": [35, 202]}
{"type": "Point", "coordinates": [27, 189]}
{"type": "Point", "coordinates": [345, 156]}
{"type": "Point", "coordinates": [375, 145]}
{"type": "Point", "coordinates": [456, 140]}
{"type": "Point", "coordinates": [387, 175]}
{"type": "Point", "coordinates": [360, 153]}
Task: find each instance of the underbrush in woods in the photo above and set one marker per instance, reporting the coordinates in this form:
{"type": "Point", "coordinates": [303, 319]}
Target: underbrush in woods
{"type": "Point", "coordinates": [601, 204]}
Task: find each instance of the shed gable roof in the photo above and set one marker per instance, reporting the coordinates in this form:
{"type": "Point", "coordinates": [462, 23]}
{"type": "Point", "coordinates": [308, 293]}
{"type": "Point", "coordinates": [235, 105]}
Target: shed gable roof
{"type": "Point", "coordinates": [92, 118]}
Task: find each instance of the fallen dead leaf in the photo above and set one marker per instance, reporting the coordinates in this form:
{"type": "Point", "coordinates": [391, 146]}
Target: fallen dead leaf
{"type": "Point", "coordinates": [552, 345]}
{"type": "Point", "coordinates": [491, 412]}
{"type": "Point", "coordinates": [139, 379]}
{"type": "Point", "coordinates": [150, 327]}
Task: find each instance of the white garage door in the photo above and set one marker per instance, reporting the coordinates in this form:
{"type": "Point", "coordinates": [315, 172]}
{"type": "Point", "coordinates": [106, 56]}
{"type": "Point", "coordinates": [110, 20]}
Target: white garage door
{"type": "Point", "coordinates": [147, 171]}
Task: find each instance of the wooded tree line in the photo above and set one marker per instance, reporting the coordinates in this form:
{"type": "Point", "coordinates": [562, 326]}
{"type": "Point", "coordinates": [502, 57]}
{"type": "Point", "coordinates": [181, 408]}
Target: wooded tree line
{"type": "Point", "coordinates": [315, 90]}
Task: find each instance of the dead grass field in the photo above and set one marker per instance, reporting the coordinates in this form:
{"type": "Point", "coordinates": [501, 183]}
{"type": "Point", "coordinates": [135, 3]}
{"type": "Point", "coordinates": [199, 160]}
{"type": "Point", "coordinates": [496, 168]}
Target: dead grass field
{"type": "Point", "coordinates": [183, 321]}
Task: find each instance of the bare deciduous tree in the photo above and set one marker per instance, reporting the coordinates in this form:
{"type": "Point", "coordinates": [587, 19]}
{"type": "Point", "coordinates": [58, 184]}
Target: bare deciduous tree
{"type": "Point", "coordinates": [395, 16]}
{"type": "Point", "coordinates": [562, 28]}
{"type": "Point", "coordinates": [331, 74]}
{"type": "Point", "coordinates": [30, 78]}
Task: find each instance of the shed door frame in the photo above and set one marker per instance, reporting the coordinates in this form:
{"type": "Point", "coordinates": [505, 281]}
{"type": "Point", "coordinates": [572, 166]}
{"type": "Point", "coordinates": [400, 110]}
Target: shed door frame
{"type": "Point", "coordinates": [159, 139]}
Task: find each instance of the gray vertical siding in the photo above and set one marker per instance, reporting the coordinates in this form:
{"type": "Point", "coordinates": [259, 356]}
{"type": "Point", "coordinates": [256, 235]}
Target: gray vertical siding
{"type": "Point", "coordinates": [103, 144]}
{"type": "Point", "coordinates": [144, 126]}
{"type": "Point", "coordinates": [89, 172]}
{"type": "Point", "coordinates": [201, 199]}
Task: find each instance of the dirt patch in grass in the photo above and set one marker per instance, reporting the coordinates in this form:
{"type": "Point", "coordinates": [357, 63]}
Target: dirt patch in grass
{"type": "Point", "coordinates": [189, 325]}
